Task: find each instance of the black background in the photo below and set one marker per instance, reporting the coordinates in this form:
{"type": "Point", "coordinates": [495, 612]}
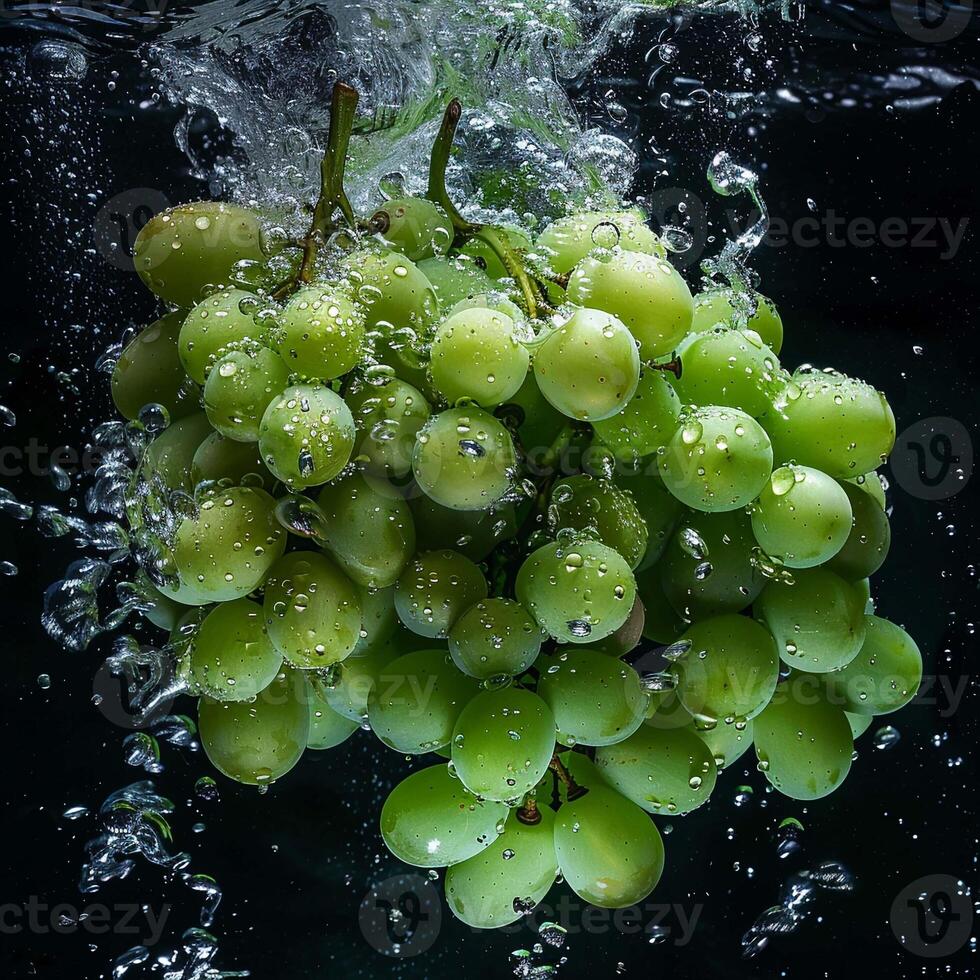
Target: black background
{"type": "Point", "coordinates": [296, 863]}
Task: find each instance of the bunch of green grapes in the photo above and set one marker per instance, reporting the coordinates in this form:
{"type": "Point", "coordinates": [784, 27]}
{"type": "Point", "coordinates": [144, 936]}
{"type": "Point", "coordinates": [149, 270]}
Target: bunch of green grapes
{"type": "Point", "coordinates": [447, 484]}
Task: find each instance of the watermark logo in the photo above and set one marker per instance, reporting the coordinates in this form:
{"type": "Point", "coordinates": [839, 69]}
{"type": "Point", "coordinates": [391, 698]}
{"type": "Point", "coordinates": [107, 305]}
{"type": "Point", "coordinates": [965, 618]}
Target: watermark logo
{"type": "Point", "coordinates": [401, 916]}
{"type": "Point", "coordinates": [933, 916]}
{"type": "Point", "coordinates": [120, 220]}
{"type": "Point", "coordinates": [933, 458]}
{"type": "Point", "coordinates": [932, 21]}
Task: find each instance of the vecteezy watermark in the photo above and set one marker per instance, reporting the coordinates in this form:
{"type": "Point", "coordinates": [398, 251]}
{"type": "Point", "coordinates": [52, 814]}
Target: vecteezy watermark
{"type": "Point", "coordinates": [119, 221]}
{"type": "Point", "coordinates": [401, 916]}
{"type": "Point", "coordinates": [933, 458]}
{"type": "Point", "coordinates": [122, 919]}
{"type": "Point", "coordinates": [38, 459]}
{"type": "Point", "coordinates": [932, 21]}
{"type": "Point", "coordinates": [933, 916]}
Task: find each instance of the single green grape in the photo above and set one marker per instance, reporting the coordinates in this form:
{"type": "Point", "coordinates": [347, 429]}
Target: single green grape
{"type": "Point", "coordinates": [610, 851]}
{"type": "Point", "coordinates": [388, 418]}
{"type": "Point", "coordinates": [726, 743]}
{"type": "Point", "coordinates": [660, 509]}
{"type": "Point", "coordinates": [394, 293]}
{"type": "Point", "coordinates": [644, 291]}
{"type": "Point", "coordinates": [495, 637]}
{"type": "Point", "coordinates": [870, 537]}
{"type": "Point", "coordinates": [565, 242]}
{"type": "Point", "coordinates": [495, 301]}
{"type": "Point", "coordinates": [502, 883]}
{"type": "Point", "coordinates": [473, 533]}
{"type": "Point", "coordinates": [646, 423]}
{"type": "Point", "coordinates": [464, 459]}
{"type": "Point", "coordinates": [170, 456]}
{"type": "Point", "coordinates": [588, 368]}
{"type": "Point", "coordinates": [379, 620]}
{"type": "Point", "coordinates": [239, 388]}
{"type": "Point", "coordinates": [578, 592]}
{"type": "Point", "coordinates": [817, 622]}
{"type": "Point", "coordinates": [478, 354]}
{"type": "Point", "coordinates": [859, 723]}
{"type": "Point", "coordinates": [456, 279]}
{"type": "Point", "coordinates": [538, 423]}
{"type": "Point", "coordinates": [669, 772]}
{"type": "Point", "coordinates": [219, 458]}
{"type": "Point", "coordinates": [312, 610]}
{"type": "Point", "coordinates": [715, 306]}
{"type": "Point", "coordinates": [225, 318]}
{"type": "Point", "coordinates": [328, 728]}
{"type": "Point", "coordinates": [503, 742]}
{"type": "Point", "coordinates": [183, 250]}
{"type": "Point", "coordinates": [257, 742]}
{"type": "Point", "coordinates": [666, 712]}
{"type": "Point", "coordinates": [871, 484]}
{"type": "Point", "coordinates": [718, 459]}
{"type": "Point", "coordinates": [802, 517]}
{"type": "Point", "coordinates": [661, 623]}
{"type": "Point", "coordinates": [414, 226]}
{"type": "Point", "coordinates": [349, 692]}
{"type": "Point", "coordinates": [884, 676]}
{"type": "Point", "coordinates": [430, 820]}
{"type": "Point", "coordinates": [729, 672]}
{"type": "Point", "coordinates": [306, 436]}
{"type": "Point", "coordinates": [416, 700]}
{"type": "Point", "coordinates": [320, 333]}
{"type": "Point", "coordinates": [158, 608]}
{"type": "Point", "coordinates": [834, 423]}
{"type": "Point", "coordinates": [435, 589]}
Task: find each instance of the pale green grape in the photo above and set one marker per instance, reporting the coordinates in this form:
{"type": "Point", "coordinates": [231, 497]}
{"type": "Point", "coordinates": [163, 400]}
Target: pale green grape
{"type": "Point", "coordinates": [870, 537]}
{"type": "Point", "coordinates": [859, 723]}
{"type": "Point", "coordinates": [817, 622]}
{"type": "Point", "coordinates": [803, 517]}
{"type": "Point", "coordinates": [661, 510]}
{"type": "Point", "coordinates": [430, 820]}
{"type": "Point", "coordinates": [884, 676]}
{"type": "Point", "coordinates": [149, 372]}
{"type": "Point", "coordinates": [158, 608]}
{"type": "Point", "coordinates": [665, 711]}
{"type": "Point", "coordinates": [669, 772]}
{"type": "Point", "coordinates": [312, 610]}
{"type": "Point", "coordinates": [231, 657]}
{"type": "Point", "coordinates": [644, 291]}
{"type": "Point", "coordinates": [327, 727]}
{"type": "Point", "coordinates": [609, 850]}
{"type": "Point", "coordinates": [414, 226]}
{"type": "Point", "coordinates": [477, 248]}
{"type": "Point", "coordinates": [503, 742]}
{"type": "Point", "coordinates": [729, 672]}
{"type": "Point", "coordinates": [416, 700]}
{"type": "Point", "coordinates": [257, 742]}
{"type": "Point", "coordinates": [435, 589]}
{"type": "Point", "coordinates": [378, 618]}
{"type": "Point", "coordinates": [599, 509]}
{"type": "Point", "coordinates": [388, 418]}
{"type": "Point", "coordinates": [394, 293]}
{"type": "Point", "coordinates": [478, 354]}
{"type": "Point", "coordinates": [455, 279]}
{"type": "Point", "coordinates": [804, 745]}
{"type": "Point", "coordinates": [596, 699]}
{"type": "Point", "coordinates": [831, 422]}
{"type": "Point", "coordinates": [371, 536]}
{"type": "Point", "coordinates": [306, 436]}
{"type": "Point", "coordinates": [495, 301]}
{"type": "Point", "coordinates": [184, 249]}
{"type": "Point", "coordinates": [348, 694]}
{"type": "Point", "coordinates": [727, 743]}
{"type": "Point", "coordinates": [170, 456]}
{"type": "Point", "coordinates": [715, 306]}
{"type": "Point", "coordinates": [538, 423]}
{"type": "Point", "coordinates": [588, 368]}
{"type": "Point", "coordinates": [239, 388]}
{"type": "Point", "coordinates": [871, 484]}
{"type": "Point", "coordinates": [464, 459]}
{"type": "Point", "coordinates": [647, 422]}
{"type": "Point", "coordinates": [579, 592]}
{"type": "Point", "coordinates": [224, 318]}
{"type": "Point", "coordinates": [320, 333]}
{"type": "Point", "coordinates": [661, 624]}
{"type": "Point", "coordinates": [495, 637]}
{"type": "Point", "coordinates": [565, 242]}
{"type": "Point", "coordinates": [218, 458]}
{"type": "Point", "coordinates": [718, 459]}
{"type": "Point", "coordinates": [473, 533]}
{"type": "Point", "coordinates": [502, 883]}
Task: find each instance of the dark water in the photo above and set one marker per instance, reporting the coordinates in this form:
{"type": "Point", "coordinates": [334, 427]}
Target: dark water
{"type": "Point", "coordinates": [870, 277]}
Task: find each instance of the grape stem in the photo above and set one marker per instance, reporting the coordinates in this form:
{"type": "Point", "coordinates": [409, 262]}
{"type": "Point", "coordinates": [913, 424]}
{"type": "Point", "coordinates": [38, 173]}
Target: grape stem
{"type": "Point", "coordinates": [529, 813]}
{"type": "Point", "coordinates": [572, 789]}
{"type": "Point", "coordinates": [674, 365]}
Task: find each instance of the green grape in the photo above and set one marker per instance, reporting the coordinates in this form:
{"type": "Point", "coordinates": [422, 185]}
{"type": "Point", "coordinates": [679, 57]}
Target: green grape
{"type": "Point", "coordinates": [646, 423]}
{"type": "Point", "coordinates": [610, 852]}
{"type": "Point", "coordinates": [476, 248]}
{"type": "Point", "coordinates": [870, 537]}
{"type": "Point", "coordinates": [435, 589]}
{"type": "Point", "coordinates": [464, 459]}
{"type": "Point", "coordinates": [312, 610]}
{"type": "Point", "coordinates": [257, 742]}
{"type": "Point", "coordinates": [225, 318]}
{"type": "Point", "coordinates": [859, 723]}
{"type": "Point", "coordinates": [538, 423]}
{"type": "Point", "coordinates": [394, 293]}
{"type": "Point", "coordinates": [321, 333]}
{"type": "Point", "coordinates": [707, 568]}
{"type": "Point", "coordinates": [218, 458]}
{"type": "Point", "coordinates": [456, 279]}
{"type": "Point", "coordinates": [349, 693]}
{"type": "Point", "coordinates": [627, 637]}
{"type": "Point", "coordinates": [149, 372]}
{"type": "Point", "coordinates": [495, 301]}
{"type": "Point", "coordinates": [495, 637]}
{"type": "Point", "coordinates": [884, 676]}
{"type": "Point", "coordinates": [596, 699]}
{"type": "Point", "coordinates": [388, 418]}
{"type": "Point", "coordinates": [158, 608]}
{"type": "Point", "coordinates": [729, 672]}
{"type": "Point", "coordinates": [328, 728]}
{"type": "Point", "coordinates": [804, 746]}
{"type": "Point", "coordinates": [565, 242]}
{"type": "Point", "coordinates": [715, 306]}
{"type": "Point", "coordinates": [414, 226]}
{"type": "Point", "coordinates": [183, 632]}
{"type": "Point", "coordinates": [503, 742]}
{"type": "Point", "coordinates": [473, 533]}
{"type": "Point", "coordinates": [370, 536]}
{"type": "Point", "coordinates": [669, 772]}
{"type": "Point", "coordinates": [802, 517]}
{"type": "Point", "coordinates": [226, 549]}
{"type": "Point", "coordinates": [416, 699]}
{"type": "Point", "coordinates": [817, 622]}
{"type": "Point", "coordinates": [661, 510]}
{"type": "Point", "coordinates": [728, 367]}
{"type": "Point", "coordinates": [501, 884]}
{"type": "Point", "coordinates": [599, 509]}
{"type": "Point", "coordinates": [665, 711]}
{"type": "Point", "coordinates": [182, 250]}
{"type": "Point", "coordinates": [430, 820]}
{"type": "Point", "coordinates": [718, 459]}
{"type": "Point", "coordinates": [588, 368]}
{"type": "Point", "coordinates": [661, 624]}
{"type": "Point", "coordinates": [239, 388]}
{"type": "Point", "coordinates": [478, 354]}
{"type": "Point", "coordinates": [831, 422]}
{"type": "Point", "coordinates": [378, 618]}
{"type": "Point", "coordinates": [871, 484]}
{"type": "Point", "coordinates": [231, 657]}
{"type": "Point", "coordinates": [726, 743]}
{"type": "Point", "coordinates": [644, 291]}
{"type": "Point", "coordinates": [170, 456]}
{"type": "Point", "coordinates": [306, 436]}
